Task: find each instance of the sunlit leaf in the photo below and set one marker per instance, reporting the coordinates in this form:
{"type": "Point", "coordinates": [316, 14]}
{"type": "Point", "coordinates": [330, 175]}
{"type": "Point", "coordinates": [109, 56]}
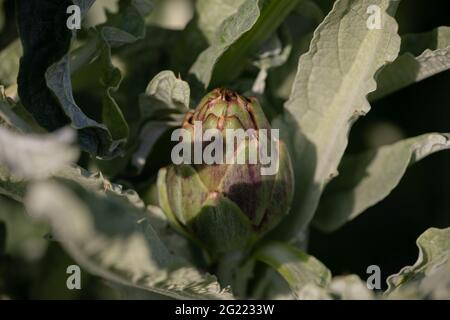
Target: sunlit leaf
{"type": "Point", "coordinates": [163, 106]}
{"type": "Point", "coordinates": [212, 13]}
{"type": "Point", "coordinates": [367, 178]}
{"type": "Point", "coordinates": [296, 267]}
{"type": "Point", "coordinates": [114, 240]}
{"type": "Point", "coordinates": [237, 38]}
{"type": "Point", "coordinates": [36, 156]}
{"type": "Point", "coordinates": [329, 94]}
{"type": "Point", "coordinates": [429, 277]}
{"type": "Point", "coordinates": [9, 63]}
{"type": "Point", "coordinates": [422, 56]}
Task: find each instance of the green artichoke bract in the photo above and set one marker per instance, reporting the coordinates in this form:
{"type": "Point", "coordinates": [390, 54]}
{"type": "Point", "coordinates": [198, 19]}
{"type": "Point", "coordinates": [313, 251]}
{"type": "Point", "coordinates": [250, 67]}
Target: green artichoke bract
{"type": "Point", "coordinates": [221, 205]}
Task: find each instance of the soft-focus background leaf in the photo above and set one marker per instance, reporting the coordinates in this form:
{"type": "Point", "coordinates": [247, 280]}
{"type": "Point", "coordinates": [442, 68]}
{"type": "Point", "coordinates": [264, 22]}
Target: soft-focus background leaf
{"type": "Point", "coordinates": [36, 156]}
{"type": "Point", "coordinates": [114, 240]}
{"type": "Point", "coordinates": [212, 13]}
{"type": "Point", "coordinates": [329, 94]}
{"type": "Point", "coordinates": [367, 178]}
{"type": "Point", "coordinates": [9, 64]}
{"type": "Point", "coordinates": [237, 38]}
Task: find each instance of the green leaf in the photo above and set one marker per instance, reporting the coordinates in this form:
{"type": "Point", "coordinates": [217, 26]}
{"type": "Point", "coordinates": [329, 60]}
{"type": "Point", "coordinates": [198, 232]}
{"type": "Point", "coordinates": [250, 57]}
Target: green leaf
{"type": "Point", "coordinates": [114, 240]}
{"type": "Point", "coordinates": [349, 287]}
{"type": "Point", "coordinates": [165, 93]}
{"type": "Point", "coordinates": [128, 25]}
{"type": "Point", "coordinates": [274, 53]}
{"type": "Point", "coordinates": [9, 63]}
{"type": "Point", "coordinates": [48, 71]}
{"type": "Point", "coordinates": [429, 277]}
{"type": "Point", "coordinates": [52, 160]}
{"type": "Point", "coordinates": [367, 178]}
{"type": "Point", "coordinates": [11, 186]}
{"type": "Point", "coordinates": [329, 94]}
{"type": "Point", "coordinates": [423, 55]}
{"type": "Point", "coordinates": [295, 266]}
{"type": "Point", "coordinates": [307, 17]}
{"type": "Point", "coordinates": [30, 156]}
{"type": "Point", "coordinates": [212, 13]}
{"type": "Point", "coordinates": [162, 106]}
{"type": "Point", "coordinates": [237, 38]}
{"type": "Point", "coordinates": [9, 119]}
{"type": "Point", "coordinates": [36, 156]}
{"type": "Point", "coordinates": [418, 43]}
{"type": "Point", "coordinates": [24, 238]}
{"type": "Point", "coordinates": [44, 75]}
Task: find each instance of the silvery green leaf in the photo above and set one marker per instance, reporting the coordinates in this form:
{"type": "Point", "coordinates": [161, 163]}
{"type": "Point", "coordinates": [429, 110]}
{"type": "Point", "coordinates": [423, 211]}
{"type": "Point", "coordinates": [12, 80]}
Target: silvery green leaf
{"type": "Point", "coordinates": [418, 43]}
{"type": "Point", "coordinates": [367, 178]}
{"type": "Point", "coordinates": [84, 5]}
{"type": "Point", "coordinates": [8, 118]}
{"type": "Point", "coordinates": [165, 92]}
{"type": "Point", "coordinates": [273, 53]}
{"type": "Point", "coordinates": [350, 287]}
{"type": "Point", "coordinates": [280, 79]}
{"type": "Point", "coordinates": [128, 25]}
{"type": "Point", "coordinates": [96, 182]}
{"type": "Point", "coordinates": [31, 156]}
{"type": "Point", "coordinates": [14, 186]}
{"type": "Point", "coordinates": [329, 94]}
{"type": "Point", "coordinates": [173, 240]}
{"type": "Point", "coordinates": [9, 63]}
{"type": "Point", "coordinates": [114, 240]}
{"type": "Point", "coordinates": [237, 38]}
{"type": "Point", "coordinates": [295, 266]}
{"type": "Point", "coordinates": [49, 71]}
{"type": "Point", "coordinates": [429, 277]}
{"type": "Point", "coordinates": [212, 13]}
{"type": "Point", "coordinates": [10, 186]}
{"type": "Point", "coordinates": [24, 237]}
{"type": "Point", "coordinates": [163, 106]}
{"type": "Point", "coordinates": [423, 55]}
{"type": "Point", "coordinates": [44, 82]}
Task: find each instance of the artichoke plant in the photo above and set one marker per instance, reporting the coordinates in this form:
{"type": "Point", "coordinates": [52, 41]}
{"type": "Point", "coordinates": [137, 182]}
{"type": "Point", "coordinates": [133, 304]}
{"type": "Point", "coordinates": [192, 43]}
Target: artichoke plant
{"type": "Point", "coordinates": [227, 206]}
{"type": "Point", "coordinates": [87, 152]}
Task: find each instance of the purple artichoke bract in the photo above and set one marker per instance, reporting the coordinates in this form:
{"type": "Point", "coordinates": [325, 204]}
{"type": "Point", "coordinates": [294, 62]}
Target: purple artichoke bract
{"type": "Point", "coordinates": [227, 206]}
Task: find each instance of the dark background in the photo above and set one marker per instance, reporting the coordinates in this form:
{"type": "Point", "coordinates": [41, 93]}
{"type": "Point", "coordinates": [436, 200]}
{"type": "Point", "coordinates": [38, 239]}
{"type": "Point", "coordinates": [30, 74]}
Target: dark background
{"type": "Point", "coordinates": [385, 234]}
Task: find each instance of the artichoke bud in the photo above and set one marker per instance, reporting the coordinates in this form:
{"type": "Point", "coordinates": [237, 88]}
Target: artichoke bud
{"type": "Point", "coordinates": [223, 193]}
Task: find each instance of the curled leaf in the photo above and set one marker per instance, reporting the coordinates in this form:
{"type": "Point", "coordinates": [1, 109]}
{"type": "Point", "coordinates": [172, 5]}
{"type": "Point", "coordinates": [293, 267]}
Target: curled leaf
{"type": "Point", "coordinates": [367, 178]}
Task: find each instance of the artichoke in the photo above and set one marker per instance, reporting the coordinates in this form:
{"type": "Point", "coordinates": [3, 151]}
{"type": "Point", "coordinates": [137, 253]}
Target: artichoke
{"type": "Point", "coordinates": [227, 206]}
